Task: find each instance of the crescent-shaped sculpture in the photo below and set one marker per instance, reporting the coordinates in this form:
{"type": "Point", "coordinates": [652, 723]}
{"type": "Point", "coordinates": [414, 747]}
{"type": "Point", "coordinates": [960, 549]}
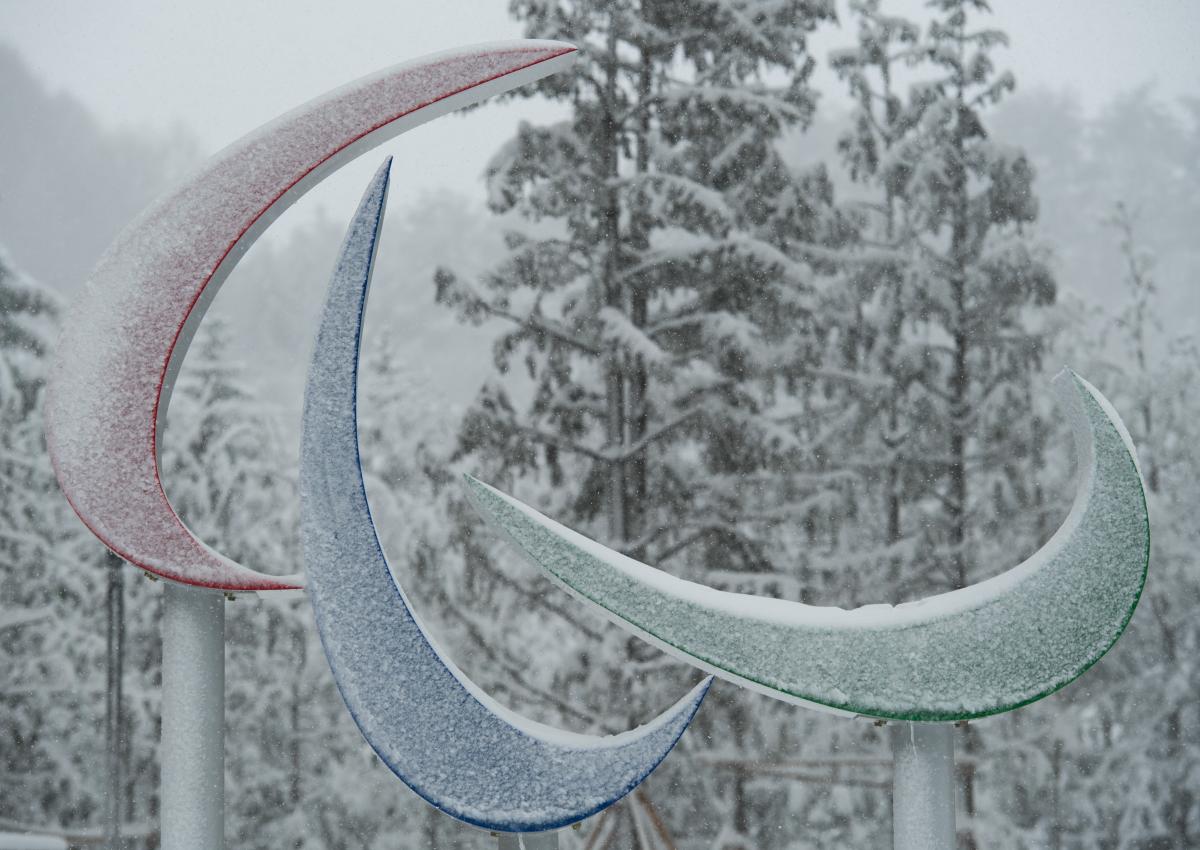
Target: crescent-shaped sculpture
{"type": "Point", "coordinates": [445, 738]}
{"type": "Point", "coordinates": [985, 649]}
{"type": "Point", "coordinates": [126, 335]}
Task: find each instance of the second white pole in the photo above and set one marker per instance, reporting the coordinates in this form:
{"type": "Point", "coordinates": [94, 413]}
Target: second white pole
{"type": "Point", "coordinates": [193, 719]}
{"type": "Point", "coordinates": [922, 786]}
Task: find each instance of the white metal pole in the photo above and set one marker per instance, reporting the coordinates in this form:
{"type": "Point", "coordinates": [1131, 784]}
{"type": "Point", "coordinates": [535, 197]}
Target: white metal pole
{"type": "Point", "coordinates": [923, 786]}
{"type": "Point", "coordinates": [193, 719]}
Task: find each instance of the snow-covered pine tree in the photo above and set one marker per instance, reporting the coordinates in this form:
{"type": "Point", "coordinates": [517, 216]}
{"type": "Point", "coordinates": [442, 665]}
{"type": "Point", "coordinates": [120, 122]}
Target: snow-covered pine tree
{"type": "Point", "coordinates": [972, 276]}
{"type": "Point", "coordinates": [644, 310]}
{"type": "Point", "coordinates": [947, 324]}
{"type": "Point", "coordinates": [835, 386]}
{"type": "Point", "coordinates": [51, 627]}
{"type": "Point", "coordinates": [1131, 741]}
{"type": "Point", "coordinates": [978, 279]}
{"type": "Point", "coordinates": [877, 360]}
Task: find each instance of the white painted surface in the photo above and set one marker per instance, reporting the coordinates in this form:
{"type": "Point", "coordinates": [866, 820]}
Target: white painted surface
{"type": "Point", "coordinates": [923, 786]}
{"type": "Point", "coordinates": [193, 719]}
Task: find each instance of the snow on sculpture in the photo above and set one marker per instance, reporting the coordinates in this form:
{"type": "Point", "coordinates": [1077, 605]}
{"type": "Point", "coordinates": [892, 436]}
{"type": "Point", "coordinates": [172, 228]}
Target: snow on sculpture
{"type": "Point", "coordinates": [981, 650]}
{"type": "Point", "coordinates": [450, 742]}
{"type": "Point", "coordinates": [125, 338]}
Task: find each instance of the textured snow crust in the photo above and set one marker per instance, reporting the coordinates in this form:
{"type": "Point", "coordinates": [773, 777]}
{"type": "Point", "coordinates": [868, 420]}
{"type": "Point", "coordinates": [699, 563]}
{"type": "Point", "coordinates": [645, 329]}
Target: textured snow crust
{"type": "Point", "coordinates": [129, 329]}
{"type": "Point", "coordinates": [973, 652]}
{"type": "Point", "coordinates": [445, 738]}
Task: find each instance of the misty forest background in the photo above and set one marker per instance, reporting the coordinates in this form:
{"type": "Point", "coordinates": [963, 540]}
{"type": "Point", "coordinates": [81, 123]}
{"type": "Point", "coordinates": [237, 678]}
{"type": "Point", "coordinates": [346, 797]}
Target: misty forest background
{"type": "Point", "coordinates": [766, 345]}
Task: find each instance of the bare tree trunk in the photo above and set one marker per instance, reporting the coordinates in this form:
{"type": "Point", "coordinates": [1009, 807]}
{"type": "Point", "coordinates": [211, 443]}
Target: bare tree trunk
{"type": "Point", "coordinates": [895, 332]}
{"type": "Point", "coordinates": [610, 225]}
{"type": "Point", "coordinates": [960, 379]}
{"type": "Point", "coordinates": [1056, 828]}
{"type": "Point", "coordinates": [960, 385]}
{"type": "Point", "coordinates": [636, 410]}
{"type": "Point", "coordinates": [295, 791]}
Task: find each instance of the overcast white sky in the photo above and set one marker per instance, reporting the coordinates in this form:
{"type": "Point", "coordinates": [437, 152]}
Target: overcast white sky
{"type": "Point", "coordinates": [222, 67]}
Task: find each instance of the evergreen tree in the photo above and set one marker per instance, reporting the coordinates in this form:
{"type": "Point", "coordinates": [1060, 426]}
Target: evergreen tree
{"type": "Point", "coordinates": [968, 200]}
{"type": "Point", "coordinates": [1132, 743]}
{"type": "Point", "coordinates": [944, 326]}
{"type": "Point", "coordinates": [876, 351]}
{"type": "Point", "coordinates": [51, 635]}
{"type": "Point", "coordinates": [644, 311]}
{"type": "Point", "coordinates": [974, 275]}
